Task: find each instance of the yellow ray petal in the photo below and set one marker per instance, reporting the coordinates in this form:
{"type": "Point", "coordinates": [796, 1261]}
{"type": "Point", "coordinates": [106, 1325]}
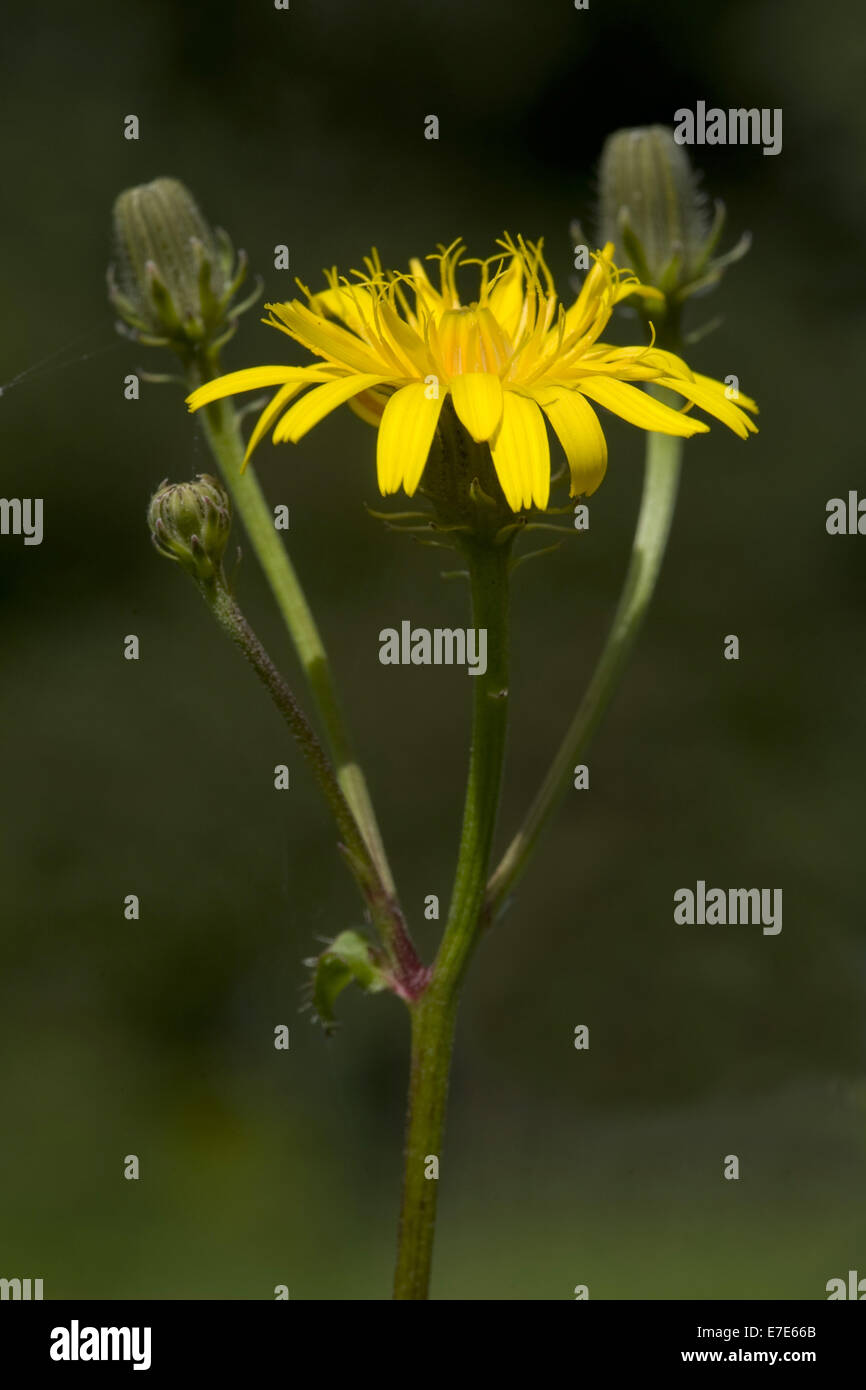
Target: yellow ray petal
{"type": "Point", "coordinates": [720, 387]}
{"type": "Point", "coordinates": [477, 399]}
{"type": "Point", "coordinates": [580, 435]}
{"type": "Point", "coordinates": [667, 362]}
{"type": "Point", "coordinates": [521, 455]}
{"type": "Point", "coordinates": [368, 406]}
{"type": "Point", "coordinates": [269, 415]}
{"type": "Point", "coordinates": [628, 369]}
{"type": "Point", "coordinates": [492, 344]}
{"type": "Point", "coordinates": [714, 402]}
{"type": "Point", "coordinates": [425, 294]}
{"type": "Point", "coordinates": [637, 407]}
{"type": "Point", "coordinates": [325, 337]}
{"type": "Point", "coordinates": [628, 286]}
{"type": "Point", "coordinates": [343, 302]}
{"type": "Point", "coordinates": [315, 405]}
{"type": "Point", "coordinates": [252, 379]}
{"type": "Point", "coordinates": [405, 436]}
{"type": "Point", "coordinates": [584, 308]}
{"type": "Point", "coordinates": [658, 360]}
{"type": "Point", "coordinates": [408, 349]}
{"type": "Point", "coordinates": [505, 300]}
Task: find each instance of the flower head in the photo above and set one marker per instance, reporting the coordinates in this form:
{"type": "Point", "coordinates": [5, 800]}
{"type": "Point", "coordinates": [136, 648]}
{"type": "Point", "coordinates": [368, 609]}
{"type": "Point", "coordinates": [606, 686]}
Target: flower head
{"type": "Point", "coordinates": [394, 346]}
{"type": "Point", "coordinates": [652, 207]}
{"type": "Point", "coordinates": [190, 523]}
{"type": "Point", "coordinates": [175, 277]}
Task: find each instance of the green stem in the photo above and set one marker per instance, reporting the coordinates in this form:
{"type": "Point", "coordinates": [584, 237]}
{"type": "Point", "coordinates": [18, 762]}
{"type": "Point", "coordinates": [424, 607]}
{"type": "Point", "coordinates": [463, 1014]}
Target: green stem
{"type": "Point", "coordinates": [432, 1044]}
{"type": "Point", "coordinates": [410, 975]}
{"type": "Point", "coordinates": [661, 480]}
{"type": "Point", "coordinates": [222, 430]}
{"type": "Point", "coordinates": [434, 1014]}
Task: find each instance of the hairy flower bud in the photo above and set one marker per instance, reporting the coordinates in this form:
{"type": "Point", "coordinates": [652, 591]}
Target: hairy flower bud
{"type": "Point", "coordinates": [174, 277]}
{"type": "Point", "coordinates": [652, 209]}
{"type": "Point", "coordinates": [190, 523]}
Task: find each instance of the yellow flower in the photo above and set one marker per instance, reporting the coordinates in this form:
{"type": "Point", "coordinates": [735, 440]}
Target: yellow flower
{"type": "Point", "coordinates": [394, 346]}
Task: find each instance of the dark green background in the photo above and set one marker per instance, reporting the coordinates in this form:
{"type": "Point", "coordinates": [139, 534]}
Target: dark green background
{"type": "Point", "coordinates": [155, 777]}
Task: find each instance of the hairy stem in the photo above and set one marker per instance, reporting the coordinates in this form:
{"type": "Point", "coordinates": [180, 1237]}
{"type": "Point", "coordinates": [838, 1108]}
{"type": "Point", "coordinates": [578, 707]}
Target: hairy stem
{"type": "Point", "coordinates": [409, 974]}
{"type": "Point", "coordinates": [433, 1016]}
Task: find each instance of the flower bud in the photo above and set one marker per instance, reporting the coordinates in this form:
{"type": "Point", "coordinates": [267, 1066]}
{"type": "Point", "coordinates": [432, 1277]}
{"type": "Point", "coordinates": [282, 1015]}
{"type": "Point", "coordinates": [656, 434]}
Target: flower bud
{"type": "Point", "coordinates": [654, 212]}
{"type": "Point", "coordinates": [174, 277]}
{"type": "Point", "coordinates": [190, 523]}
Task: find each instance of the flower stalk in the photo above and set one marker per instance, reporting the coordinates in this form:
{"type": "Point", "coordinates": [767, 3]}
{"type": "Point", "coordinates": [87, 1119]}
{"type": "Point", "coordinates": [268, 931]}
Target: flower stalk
{"type": "Point", "coordinates": [408, 975]}
{"type": "Point", "coordinates": [658, 503]}
{"type": "Point", "coordinates": [230, 618]}
{"type": "Point", "coordinates": [434, 1014]}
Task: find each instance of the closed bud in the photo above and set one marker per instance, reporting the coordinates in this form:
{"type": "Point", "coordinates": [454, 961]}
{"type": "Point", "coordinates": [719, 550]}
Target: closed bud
{"type": "Point", "coordinates": [652, 209]}
{"type": "Point", "coordinates": [190, 523]}
{"type": "Point", "coordinates": [174, 278]}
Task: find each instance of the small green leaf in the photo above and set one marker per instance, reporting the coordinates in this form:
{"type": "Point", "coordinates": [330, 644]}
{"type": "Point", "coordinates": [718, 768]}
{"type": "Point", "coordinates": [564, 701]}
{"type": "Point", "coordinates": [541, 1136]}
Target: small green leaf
{"type": "Point", "coordinates": [349, 957]}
